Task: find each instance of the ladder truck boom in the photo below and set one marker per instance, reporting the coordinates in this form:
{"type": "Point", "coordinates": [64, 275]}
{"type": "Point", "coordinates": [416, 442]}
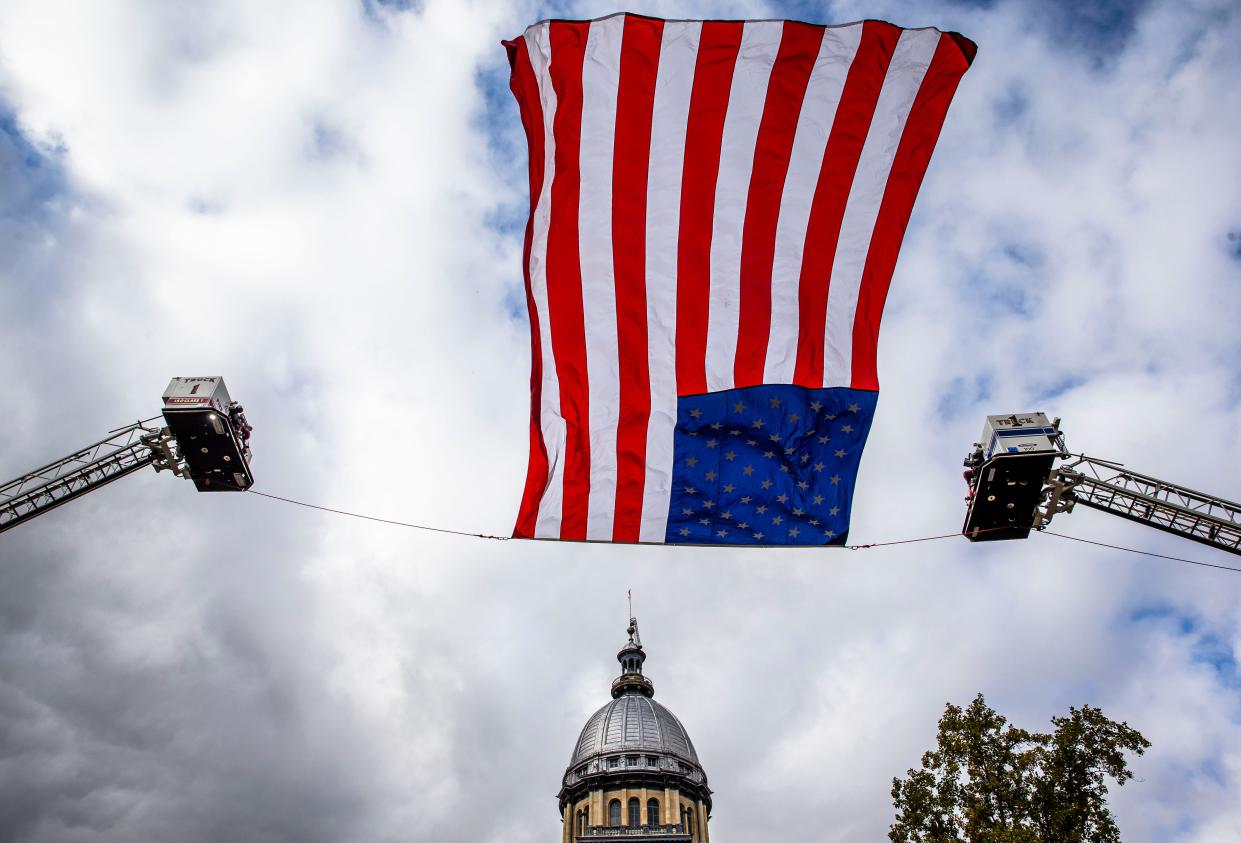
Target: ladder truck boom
{"type": "Point", "coordinates": [1110, 487]}
{"type": "Point", "coordinates": [1015, 487]}
{"type": "Point", "coordinates": [205, 439]}
{"type": "Point", "coordinates": [123, 452]}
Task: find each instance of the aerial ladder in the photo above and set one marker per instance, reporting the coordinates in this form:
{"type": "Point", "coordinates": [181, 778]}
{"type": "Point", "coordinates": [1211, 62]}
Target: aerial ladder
{"type": "Point", "coordinates": [204, 438]}
{"type": "Point", "coordinates": [1016, 485]}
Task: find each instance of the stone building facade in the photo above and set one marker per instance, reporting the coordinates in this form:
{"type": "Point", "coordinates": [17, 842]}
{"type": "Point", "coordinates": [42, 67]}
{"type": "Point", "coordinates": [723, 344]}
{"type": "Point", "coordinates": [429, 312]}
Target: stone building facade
{"type": "Point", "coordinates": [634, 774]}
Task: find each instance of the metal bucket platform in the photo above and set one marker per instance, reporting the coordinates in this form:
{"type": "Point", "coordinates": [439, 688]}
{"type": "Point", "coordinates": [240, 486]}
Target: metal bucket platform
{"type": "Point", "coordinates": [211, 432]}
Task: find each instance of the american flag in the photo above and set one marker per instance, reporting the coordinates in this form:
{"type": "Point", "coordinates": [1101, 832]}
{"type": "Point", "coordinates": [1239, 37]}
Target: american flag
{"type": "Point", "coordinates": [716, 209]}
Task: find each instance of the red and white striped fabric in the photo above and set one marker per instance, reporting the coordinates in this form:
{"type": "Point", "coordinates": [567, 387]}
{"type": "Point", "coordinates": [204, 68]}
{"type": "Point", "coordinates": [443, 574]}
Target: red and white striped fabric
{"type": "Point", "coordinates": [714, 205]}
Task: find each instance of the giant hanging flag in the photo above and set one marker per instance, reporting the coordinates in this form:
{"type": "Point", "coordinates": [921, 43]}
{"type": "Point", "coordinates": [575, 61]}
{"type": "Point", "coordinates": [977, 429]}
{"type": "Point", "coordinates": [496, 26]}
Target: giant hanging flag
{"type": "Point", "coordinates": [716, 209]}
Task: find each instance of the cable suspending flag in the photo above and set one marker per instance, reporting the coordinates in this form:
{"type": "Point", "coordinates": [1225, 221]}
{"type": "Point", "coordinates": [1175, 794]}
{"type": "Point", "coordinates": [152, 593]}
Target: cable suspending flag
{"type": "Point", "coordinates": [716, 209]}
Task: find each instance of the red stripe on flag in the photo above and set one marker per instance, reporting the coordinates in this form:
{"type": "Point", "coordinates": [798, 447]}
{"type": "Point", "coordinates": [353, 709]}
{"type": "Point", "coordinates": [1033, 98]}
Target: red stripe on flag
{"type": "Point", "coordinates": [799, 47]}
{"type": "Point", "coordinates": [635, 100]}
{"type": "Point", "coordinates": [564, 273]}
{"type": "Point", "coordinates": [713, 73]}
{"type": "Point", "coordinates": [526, 91]}
{"type": "Point", "coordinates": [913, 154]}
{"type": "Point", "coordinates": [831, 193]}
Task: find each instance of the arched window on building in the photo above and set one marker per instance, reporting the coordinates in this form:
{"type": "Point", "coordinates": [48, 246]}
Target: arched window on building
{"type": "Point", "coordinates": [635, 812]}
{"type": "Point", "coordinates": [689, 821]}
{"type": "Point", "coordinates": [614, 813]}
{"type": "Point", "coordinates": [583, 820]}
{"type": "Point", "coordinates": [652, 812]}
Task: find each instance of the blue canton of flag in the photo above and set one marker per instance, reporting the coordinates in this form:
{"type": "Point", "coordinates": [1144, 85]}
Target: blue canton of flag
{"type": "Point", "coordinates": [767, 465]}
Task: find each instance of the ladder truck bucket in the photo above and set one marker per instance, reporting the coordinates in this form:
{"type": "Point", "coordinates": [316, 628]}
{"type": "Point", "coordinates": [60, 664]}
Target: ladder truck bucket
{"type": "Point", "coordinates": [211, 433]}
{"type": "Point", "coordinates": [1006, 473]}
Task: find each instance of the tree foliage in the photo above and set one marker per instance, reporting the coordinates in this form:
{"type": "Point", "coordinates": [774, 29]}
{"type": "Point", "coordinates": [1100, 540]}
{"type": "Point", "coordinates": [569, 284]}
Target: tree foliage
{"type": "Point", "coordinates": [990, 782]}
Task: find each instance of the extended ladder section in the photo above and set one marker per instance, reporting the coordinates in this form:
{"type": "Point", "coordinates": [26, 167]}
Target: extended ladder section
{"type": "Point", "coordinates": [1110, 487]}
{"type": "Point", "coordinates": [125, 451]}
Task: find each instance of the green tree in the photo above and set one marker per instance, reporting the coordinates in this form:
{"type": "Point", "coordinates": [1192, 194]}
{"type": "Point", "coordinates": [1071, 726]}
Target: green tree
{"type": "Point", "coordinates": [990, 782]}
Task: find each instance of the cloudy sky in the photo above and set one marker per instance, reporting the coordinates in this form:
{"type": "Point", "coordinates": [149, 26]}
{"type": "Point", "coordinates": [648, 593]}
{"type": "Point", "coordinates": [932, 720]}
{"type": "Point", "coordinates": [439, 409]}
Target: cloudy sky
{"type": "Point", "coordinates": [323, 201]}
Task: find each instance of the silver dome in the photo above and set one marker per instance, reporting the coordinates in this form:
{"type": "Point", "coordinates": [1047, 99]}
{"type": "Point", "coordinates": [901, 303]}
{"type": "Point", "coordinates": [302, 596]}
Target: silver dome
{"type": "Point", "coordinates": [633, 739]}
{"type": "Point", "coordinates": [633, 723]}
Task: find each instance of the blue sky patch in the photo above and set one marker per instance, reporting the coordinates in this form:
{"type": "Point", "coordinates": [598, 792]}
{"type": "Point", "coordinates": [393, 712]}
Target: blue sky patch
{"type": "Point", "coordinates": [1162, 612]}
{"type": "Point", "coordinates": [374, 9]}
{"type": "Point", "coordinates": [327, 141]}
{"type": "Point", "coordinates": [1056, 388]}
{"type": "Point", "coordinates": [1154, 612]}
{"type": "Point", "coordinates": [1026, 255]}
{"type": "Point", "coordinates": [1012, 104]}
{"type": "Point", "coordinates": [1218, 654]}
{"type": "Point", "coordinates": [1101, 30]}
{"type": "Point", "coordinates": [29, 176]}
{"type": "Point", "coordinates": [963, 395]}
{"type": "Point", "coordinates": [1208, 647]}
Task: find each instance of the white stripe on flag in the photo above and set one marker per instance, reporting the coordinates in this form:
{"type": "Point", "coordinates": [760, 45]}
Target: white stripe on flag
{"type": "Point", "coordinates": [538, 45]}
{"type": "Point", "coordinates": [600, 83]}
{"type": "Point", "coordinates": [910, 60]}
{"type": "Point", "coordinates": [814, 126]}
{"type": "Point", "coordinates": [678, 55]}
{"type": "Point", "coordinates": [760, 43]}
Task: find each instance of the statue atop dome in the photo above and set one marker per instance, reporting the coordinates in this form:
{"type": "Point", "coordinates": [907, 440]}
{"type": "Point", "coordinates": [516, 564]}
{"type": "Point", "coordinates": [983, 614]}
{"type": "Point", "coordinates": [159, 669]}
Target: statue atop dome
{"type": "Point", "coordinates": [631, 657]}
{"type": "Point", "coordinates": [635, 640]}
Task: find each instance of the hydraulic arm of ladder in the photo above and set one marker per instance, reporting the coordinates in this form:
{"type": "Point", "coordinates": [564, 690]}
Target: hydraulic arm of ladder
{"type": "Point", "coordinates": [126, 450]}
{"type": "Point", "coordinates": [1111, 487]}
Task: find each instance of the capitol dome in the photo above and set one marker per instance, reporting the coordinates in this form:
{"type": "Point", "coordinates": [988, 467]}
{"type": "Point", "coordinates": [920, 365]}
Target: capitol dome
{"type": "Point", "coordinates": [634, 770]}
{"type": "Point", "coordinates": [633, 723]}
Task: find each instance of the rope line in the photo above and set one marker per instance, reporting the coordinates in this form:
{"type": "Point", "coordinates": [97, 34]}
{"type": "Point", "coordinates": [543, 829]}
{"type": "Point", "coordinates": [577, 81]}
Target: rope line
{"type": "Point", "coordinates": [867, 546]}
{"type": "Point", "coordinates": [908, 541]}
{"type": "Point", "coordinates": [1145, 552]}
{"type": "Point", "coordinates": [413, 526]}
{"type": "Point", "coordinates": [381, 520]}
